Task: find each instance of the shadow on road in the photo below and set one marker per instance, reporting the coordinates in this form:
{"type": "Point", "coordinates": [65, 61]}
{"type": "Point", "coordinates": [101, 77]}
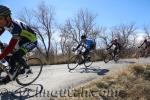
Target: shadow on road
{"type": "Point", "coordinates": [93, 69]}
{"type": "Point", "coordinates": [130, 62]}
{"type": "Point", "coordinates": [22, 93]}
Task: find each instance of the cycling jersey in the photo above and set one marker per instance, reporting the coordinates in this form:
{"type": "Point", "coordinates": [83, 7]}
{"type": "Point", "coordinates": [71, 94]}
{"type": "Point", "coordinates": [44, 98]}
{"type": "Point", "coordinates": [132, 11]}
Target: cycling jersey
{"type": "Point", "coordinates": [116, 44]}
{"type": "Point", "coordinates": [89, 43]}
{"type": "Point", "coordinates": [21, 34]}
{"type": "Point", "coordinates": [20, 29]}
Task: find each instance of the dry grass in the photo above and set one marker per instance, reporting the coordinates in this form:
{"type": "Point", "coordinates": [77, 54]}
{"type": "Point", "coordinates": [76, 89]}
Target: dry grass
{"type": "Point", "coordinates": [131, 84]}
{"type": "Point", "coordinates": [99, 56]}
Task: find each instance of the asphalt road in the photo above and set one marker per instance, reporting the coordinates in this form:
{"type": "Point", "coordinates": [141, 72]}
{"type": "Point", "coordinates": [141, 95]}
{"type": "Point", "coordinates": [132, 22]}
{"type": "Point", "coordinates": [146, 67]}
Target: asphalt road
{"type": "Point", "coordinates": [54, 78]}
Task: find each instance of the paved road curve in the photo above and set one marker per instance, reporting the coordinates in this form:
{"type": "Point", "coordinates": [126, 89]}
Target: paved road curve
{"type": "Point", "coordinates": [57, 77]}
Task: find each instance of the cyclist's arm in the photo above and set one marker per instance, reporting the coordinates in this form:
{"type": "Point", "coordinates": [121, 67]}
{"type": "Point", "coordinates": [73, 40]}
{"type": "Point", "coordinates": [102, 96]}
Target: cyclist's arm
{"type": "Point", "coordinates": [110, 46]}
{"type": "Point", "coordinates": [78, 46]}
{"type": "Point", "coordinates": [10, 47]}
{"type": "Point", "coordinates": [141, 44]}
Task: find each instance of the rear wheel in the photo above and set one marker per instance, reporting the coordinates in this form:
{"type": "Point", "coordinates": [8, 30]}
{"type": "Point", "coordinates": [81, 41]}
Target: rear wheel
{"type": "Point", "coordinates": [35, 65]}
{"type": "Point", "coordinates": [116, 58]}
{"type": "Point", "coordinates": [89, 60]}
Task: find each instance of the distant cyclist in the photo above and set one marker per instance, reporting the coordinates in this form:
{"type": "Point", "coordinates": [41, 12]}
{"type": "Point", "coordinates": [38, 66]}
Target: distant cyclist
{"type": "Point", "coordinates": [146, 47]}
{"type": "Point", "coordinates": [88, 44]}
{"type": "Point", "coordinates": [147, 44]}
{"type": "Point", "coordinates": [22, 36]}
{"type": "Point", "coordinates": [117, 45]}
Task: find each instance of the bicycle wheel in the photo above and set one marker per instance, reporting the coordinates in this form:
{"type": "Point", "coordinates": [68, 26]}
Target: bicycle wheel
{"type": "Point", "coordinates": [89, 60]}
{"type": "Point", "coordinates": [74, 62]}
{"type": "Point", "coordinates": [107, 58]}
{"type": "Point", "coordinates": [35, 65]}
{"type": "Point", "coordinates": [116, 58]}
{"type": "Point", "coordinates": [139, 54]}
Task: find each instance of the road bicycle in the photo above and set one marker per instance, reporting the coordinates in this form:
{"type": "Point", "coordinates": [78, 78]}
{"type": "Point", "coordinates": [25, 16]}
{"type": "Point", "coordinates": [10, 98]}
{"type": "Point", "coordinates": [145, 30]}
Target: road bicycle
{"type": "Point", "coordinates": [109, 55]}
{"type": "Point", "coordinates": [78, 59]}
{"type": "Point", "coordinates": [28, 77]}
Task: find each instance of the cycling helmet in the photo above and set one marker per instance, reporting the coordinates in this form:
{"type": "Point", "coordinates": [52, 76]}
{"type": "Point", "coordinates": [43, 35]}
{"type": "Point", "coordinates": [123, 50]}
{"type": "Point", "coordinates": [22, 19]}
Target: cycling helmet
{"type": "Point", "coordinates": [83, 37]}
{"type": "Point", "coordinates": [4, 11]}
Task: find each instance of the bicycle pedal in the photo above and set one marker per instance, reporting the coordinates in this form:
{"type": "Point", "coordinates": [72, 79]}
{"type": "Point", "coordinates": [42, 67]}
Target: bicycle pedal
{"type": "Point", "coordinates": [28, 71]}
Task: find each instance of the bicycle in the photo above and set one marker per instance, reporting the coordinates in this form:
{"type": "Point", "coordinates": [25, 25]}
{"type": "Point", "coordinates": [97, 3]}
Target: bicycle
{"type": "Point", "coordinates": [109, 55]}
{"type": "Point", "coordinates": [25, 79]}
{"type": "Point", "coordinates": [79, 59]}
{"type": "Point", "coordinates": [141, 52]}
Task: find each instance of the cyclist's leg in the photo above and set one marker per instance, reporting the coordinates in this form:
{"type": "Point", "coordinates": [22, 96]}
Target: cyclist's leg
{"type": "Point", "coordinates": [86, 53]}
{"type": "Point", "coordinates": [147, 51]}
{"type": "Point", "coordinates": [115, 51]}
{"type": "Point", "coordinates": [18, 55]}
{"type": "Point", "coordinates": [12, 63]}
{"type": "Point", "coordinates": [27, 47]}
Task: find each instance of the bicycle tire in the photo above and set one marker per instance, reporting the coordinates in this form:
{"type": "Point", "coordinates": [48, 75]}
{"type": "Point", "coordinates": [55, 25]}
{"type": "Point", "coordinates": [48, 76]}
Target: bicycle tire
{"type": "Point", "coordinates": [107, 58]}
{"type": "Point", "coordinates": [92, 55]}
{"type": "Point", "coordinates": [116, 58]}
{"type": "Point", "coordinates": [73, 60]}
{"type": "Point", "coordinates": [40, 64]}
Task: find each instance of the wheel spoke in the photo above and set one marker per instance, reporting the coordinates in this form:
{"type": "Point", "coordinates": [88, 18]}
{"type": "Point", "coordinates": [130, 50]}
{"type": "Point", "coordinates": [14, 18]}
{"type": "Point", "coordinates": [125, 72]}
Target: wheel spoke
{"type": "Point", "coordinates": [27, 79]}
{"type": "Point", "coordinates": [73, 62]}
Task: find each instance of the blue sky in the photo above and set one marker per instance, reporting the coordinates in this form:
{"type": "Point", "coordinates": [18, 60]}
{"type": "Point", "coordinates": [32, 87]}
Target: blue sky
{"type": "Point", "coordinates": [110, 12]}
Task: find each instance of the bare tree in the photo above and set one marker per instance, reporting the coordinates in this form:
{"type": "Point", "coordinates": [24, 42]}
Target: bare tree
{"type": "Point", "coordinates": [42, 21]}
{"type": "Point", "coordinates": [66, 42]}
{"type": "Point", "coordinates": [104, 36]}
{"type": "Point", "coordinates": [82, 23]}
{"type": "Point", "coordinates": [125, 34]}
{"type": "Point", "coordinates": [147, 31]}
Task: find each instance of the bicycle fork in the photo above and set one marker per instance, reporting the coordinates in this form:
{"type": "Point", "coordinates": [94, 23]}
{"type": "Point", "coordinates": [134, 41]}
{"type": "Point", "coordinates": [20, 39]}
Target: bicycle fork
{"type": "Point", "coordinates": [12, 77]}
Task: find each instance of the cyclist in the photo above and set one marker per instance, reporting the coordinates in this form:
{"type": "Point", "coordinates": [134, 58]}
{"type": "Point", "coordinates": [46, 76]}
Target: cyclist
{"type": "Point", "coordinates": [22, 36]}
{"type": "Point", "coordinates": [147, 45]}
{"type": "Point", "coordinates": [117, 45]}
{"type": "Point", "coordinates": [88, 44]}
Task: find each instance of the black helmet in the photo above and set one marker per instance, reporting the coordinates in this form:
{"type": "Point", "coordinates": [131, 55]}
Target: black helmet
{"type": "Point", "coordinates": [83, 37]}
{"type": "Point", "coordinates": [4, 11]}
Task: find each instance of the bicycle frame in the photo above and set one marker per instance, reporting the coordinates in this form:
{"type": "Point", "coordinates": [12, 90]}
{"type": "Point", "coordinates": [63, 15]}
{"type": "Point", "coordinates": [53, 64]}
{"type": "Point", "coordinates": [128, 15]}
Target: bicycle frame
{"type": "Point", "coordinates": [5, 70]}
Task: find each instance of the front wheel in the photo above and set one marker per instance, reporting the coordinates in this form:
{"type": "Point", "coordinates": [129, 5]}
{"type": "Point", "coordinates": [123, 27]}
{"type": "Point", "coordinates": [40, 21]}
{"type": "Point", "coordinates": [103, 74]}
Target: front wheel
{"type": "Point", "coordinates": [35, 65]}
{"type": "Point", "coordinates": [74, 62]}
{"type": "Point", "coordinates": [107, 58]}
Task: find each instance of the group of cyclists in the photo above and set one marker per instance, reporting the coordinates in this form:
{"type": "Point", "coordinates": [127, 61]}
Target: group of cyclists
{"type": "Point", "coordinates": [25, 39]}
